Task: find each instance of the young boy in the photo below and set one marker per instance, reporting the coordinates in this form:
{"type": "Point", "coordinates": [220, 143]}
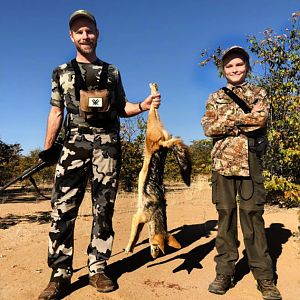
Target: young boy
{"type": "Point", "coordinates": [237, 171]}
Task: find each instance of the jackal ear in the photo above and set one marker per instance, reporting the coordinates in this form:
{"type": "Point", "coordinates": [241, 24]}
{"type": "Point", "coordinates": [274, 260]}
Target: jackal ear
{"type": "Point", "coordinates": [159, 240]}
{"type": "Point", "coordinates": [172, 242]}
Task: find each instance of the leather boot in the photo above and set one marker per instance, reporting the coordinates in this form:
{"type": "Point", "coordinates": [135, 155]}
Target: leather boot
{"type": "Point", "coordinates": [268, 289]}
{"type": "Point", "coordinates": [221, 284]}
{"type": "Point", "coordinates": [55, 289]}
{"type": "Point", "coordinates": [102, 283]}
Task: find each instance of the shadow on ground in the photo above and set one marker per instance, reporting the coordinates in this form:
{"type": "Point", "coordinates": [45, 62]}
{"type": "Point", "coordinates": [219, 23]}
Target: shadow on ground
{"type": "Point", "coordinates": [24, 194]}
{"type": "Point", "coordinates": [185, 235]}
{"type": "Point", "coordinates": [277, 235]}
{"type": "Point", "coordinates": [40, 217]}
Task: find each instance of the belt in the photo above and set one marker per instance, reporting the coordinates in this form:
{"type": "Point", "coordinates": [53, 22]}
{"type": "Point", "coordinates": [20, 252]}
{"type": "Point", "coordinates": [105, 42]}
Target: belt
{"type": "Point", "coordinates": [92, 130]}
{"type": "Point", "coordinates": [86, 130]}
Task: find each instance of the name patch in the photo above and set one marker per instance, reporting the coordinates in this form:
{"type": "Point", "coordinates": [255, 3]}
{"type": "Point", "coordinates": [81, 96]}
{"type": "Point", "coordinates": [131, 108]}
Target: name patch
{"type": "Point", "coordinates": [95, 102]}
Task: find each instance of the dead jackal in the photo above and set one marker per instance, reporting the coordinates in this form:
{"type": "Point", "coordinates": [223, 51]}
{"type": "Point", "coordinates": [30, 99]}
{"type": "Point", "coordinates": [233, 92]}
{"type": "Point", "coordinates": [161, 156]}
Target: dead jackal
{"type": "Point", "coordinates": [151, 191]}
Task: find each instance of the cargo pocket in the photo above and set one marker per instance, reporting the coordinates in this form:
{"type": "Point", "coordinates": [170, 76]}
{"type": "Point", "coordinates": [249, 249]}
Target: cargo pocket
{"type": "Point", "coordinates": [214, 180]}
{"type": "Point", "coordinates": [259, 190]}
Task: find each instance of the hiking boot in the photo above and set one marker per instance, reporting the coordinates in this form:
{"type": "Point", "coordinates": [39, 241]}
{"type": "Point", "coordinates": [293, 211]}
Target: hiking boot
{"type": "Point", "coordinates": [268, 289]}
{"type": "Point", "coordinates": [221, 284]}
{"type": "Point", "coordinates": [55, 289]}
{"type": "Point", "coordinates": [102, 283]}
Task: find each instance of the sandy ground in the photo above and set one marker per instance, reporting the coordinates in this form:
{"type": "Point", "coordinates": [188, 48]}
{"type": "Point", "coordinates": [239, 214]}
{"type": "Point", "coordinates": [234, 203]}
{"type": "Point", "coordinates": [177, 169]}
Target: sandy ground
{"type": "Point", "coordinates": [179, 274]}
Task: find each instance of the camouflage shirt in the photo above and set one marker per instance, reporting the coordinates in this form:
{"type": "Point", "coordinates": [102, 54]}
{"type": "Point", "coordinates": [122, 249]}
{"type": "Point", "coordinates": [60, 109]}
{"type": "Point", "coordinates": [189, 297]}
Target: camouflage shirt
{"type": "Point", "coordinates": [226, 122]}
{"type": "Point", "coordinates": [63, 90]}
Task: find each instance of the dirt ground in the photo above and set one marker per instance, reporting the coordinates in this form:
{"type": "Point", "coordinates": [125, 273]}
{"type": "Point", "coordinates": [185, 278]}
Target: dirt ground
{"type": "Point", "coordinates": [179, 274]}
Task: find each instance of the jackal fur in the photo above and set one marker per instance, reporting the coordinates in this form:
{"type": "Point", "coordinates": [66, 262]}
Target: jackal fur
{"type": "Point", "coordinates": [151, 191]}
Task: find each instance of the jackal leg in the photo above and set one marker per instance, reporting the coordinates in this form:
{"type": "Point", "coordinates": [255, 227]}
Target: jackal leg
{"type": "Point", "coordinates": [142, 178]}
{"type": "Point", "coordinates": [169, 143]}
{"type": "Point", "coordinates": [138, 221]}
{"type": "Point", "coordinates": [172, 242]}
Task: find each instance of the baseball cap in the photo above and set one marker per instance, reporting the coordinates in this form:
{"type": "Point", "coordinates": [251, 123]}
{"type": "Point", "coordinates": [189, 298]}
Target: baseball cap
{"type": "Point", "coordinates": [238, 50]}
{"type": "Point", "coordinates": [83, 14]}
{"type": "Point", "coordinates": [235, 49]}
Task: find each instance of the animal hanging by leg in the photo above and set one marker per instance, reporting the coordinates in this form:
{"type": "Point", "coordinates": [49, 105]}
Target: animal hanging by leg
{"type": "Point", "coordinates": [151, 191]}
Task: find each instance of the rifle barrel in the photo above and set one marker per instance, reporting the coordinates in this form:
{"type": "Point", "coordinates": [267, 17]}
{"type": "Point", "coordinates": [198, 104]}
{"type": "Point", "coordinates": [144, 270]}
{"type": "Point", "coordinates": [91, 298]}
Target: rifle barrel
{"type": "Point", "coordinates": [27, 173]}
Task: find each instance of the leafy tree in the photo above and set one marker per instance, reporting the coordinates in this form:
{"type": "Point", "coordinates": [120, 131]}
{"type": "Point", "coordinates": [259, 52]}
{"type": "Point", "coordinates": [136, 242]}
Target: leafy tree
{"type": "Point", "coordinates": [279, 57]}
{"type": "Point", "coordinates": [200, 153]}
{"type": "Point", "coordinates": [8, 152]}
{"type": "Point", "coordinates": [278, 60]}
{"type": "Point", "coordinates": [9, 159]}
{"type": "Point", "coordinates": [172, 170]}
{"type": "Point", "coordinates": [132, 142]}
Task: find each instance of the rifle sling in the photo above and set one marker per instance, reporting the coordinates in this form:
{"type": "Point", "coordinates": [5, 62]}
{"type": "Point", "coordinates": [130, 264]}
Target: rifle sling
{"type": "Point", "coordinates": [241, 103]}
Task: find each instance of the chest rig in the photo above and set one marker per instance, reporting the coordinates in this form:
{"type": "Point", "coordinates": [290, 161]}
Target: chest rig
{"type": "Point", "coordinates": [93, 104]}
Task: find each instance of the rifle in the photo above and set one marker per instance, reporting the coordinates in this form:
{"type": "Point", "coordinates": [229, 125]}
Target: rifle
{"type": "Point", "coordinates": [48, 157]}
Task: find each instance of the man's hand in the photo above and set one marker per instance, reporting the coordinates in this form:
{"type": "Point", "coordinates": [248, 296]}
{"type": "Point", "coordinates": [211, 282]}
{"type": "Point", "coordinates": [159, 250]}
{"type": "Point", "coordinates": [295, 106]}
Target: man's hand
{"type": "Point", "coordinates": [155, 99]}
{"type": "Point", "coordinates": [257, 107]}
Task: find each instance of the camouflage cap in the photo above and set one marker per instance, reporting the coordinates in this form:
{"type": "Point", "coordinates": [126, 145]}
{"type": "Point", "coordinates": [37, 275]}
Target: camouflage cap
{"type": "Point", "coordinates": [235, 49]}
{"type": "Point", "coordinates": [81, 13]}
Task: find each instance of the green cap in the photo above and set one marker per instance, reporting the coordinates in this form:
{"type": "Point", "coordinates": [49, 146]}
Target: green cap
{"type": "Point", "coordinates": [81, 13]}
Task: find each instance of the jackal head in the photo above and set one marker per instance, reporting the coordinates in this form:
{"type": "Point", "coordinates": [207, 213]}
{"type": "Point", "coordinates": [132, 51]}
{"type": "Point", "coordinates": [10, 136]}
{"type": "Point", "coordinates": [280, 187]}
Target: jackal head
{"type": "Point", "coordinates": [158, 243]}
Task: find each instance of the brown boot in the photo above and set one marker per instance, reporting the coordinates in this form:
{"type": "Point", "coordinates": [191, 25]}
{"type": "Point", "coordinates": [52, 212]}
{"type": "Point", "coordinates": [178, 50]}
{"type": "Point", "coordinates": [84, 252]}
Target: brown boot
{"type": "Point", "coordinates": [221, 284]}
{"type": "Point", "coordinates": [102, 283]}
{"type": "Point", "coordinates": [54, 289]}
{"type": "Point", "coordinates": [268, 289]}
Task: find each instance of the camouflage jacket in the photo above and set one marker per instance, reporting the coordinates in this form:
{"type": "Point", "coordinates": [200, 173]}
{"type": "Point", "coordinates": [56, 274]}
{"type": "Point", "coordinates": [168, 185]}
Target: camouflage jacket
{"type": "Point", "coordinates": [229, 126]}
{"type": "Point", "coordinates": [63, 90]}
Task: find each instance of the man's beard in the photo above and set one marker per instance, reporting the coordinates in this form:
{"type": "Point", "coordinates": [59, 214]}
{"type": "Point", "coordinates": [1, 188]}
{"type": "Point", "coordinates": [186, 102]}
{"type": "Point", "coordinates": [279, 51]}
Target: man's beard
{"type": "Point", "coordinates": [86, 51]}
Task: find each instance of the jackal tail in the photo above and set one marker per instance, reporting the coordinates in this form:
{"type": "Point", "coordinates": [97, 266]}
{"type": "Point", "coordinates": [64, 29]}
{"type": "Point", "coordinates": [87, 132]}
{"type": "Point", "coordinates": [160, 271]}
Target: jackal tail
{"type": "Point", "coordinates": [183, 158]}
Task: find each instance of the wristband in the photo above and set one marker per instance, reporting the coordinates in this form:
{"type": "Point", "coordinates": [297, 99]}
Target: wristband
{"type": "Point", "coordinates": [140, 106]}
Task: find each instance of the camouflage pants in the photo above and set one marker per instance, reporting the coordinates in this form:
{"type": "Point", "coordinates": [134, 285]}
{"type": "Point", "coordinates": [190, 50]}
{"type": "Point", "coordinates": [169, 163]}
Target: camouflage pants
{"type": "Point", "coordinates": [94, 155]}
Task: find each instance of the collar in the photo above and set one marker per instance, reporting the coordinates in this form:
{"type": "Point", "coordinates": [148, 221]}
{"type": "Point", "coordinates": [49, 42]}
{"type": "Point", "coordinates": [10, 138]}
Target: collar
{"type": "Point", "coordinates": [97, 62]}
{"type": "Point", "coordinates": [242, 86]}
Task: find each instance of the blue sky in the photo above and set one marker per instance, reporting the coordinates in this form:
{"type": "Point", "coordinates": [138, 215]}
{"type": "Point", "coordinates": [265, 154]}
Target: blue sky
{"type": "Point", "coordinates": [149, 41]}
